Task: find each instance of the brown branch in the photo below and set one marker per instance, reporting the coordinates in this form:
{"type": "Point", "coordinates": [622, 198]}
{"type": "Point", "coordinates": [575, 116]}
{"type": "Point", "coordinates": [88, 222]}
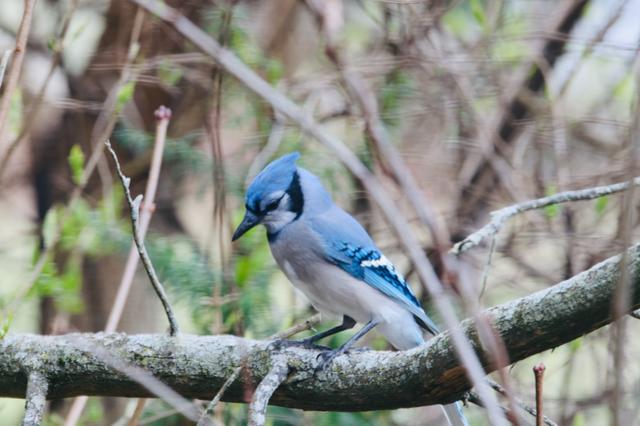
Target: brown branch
{"type": "Point", "coordinates": [500, 217]}
{"type": "Point", "coordinates": [502, 391]}
{"type": "Point", "coordinates": [37, 102]}
{"type": "Point", "coordinates": [142, 251]}
{"type": "Point", "coordinates": [538, 372]}
{"type": "Point", "coordinates": [36, 399]}
{"type": "Point", "coordinates": [13, 75]}
{"type": "Point", "coordinates": [195, 366]}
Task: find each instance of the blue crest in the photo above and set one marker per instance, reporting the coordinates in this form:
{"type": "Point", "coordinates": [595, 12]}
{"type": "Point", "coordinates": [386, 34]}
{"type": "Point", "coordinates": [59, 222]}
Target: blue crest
{"type": "Point", "coordinates": [277, 176]}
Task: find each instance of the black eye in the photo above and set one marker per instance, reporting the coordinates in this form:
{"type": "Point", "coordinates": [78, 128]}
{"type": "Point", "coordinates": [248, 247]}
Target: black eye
{"type": "Point", "coordinates": [273, 205]}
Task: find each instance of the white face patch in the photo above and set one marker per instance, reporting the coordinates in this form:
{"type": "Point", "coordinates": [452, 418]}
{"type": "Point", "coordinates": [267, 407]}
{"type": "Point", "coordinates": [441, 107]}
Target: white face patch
{"type": "Point", "coordinates": [277, 219]}
{"type": "Point", "coordinates": [383, 261]}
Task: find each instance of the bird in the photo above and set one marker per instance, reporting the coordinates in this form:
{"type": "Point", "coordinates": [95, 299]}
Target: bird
{"type": "Point", "coordinates": [327, 254]}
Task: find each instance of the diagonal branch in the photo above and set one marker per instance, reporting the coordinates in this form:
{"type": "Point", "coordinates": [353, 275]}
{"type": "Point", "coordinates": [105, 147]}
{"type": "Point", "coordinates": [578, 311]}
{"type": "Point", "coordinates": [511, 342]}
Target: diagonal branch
{"type": "Point", "coordinates": [266, 388]}
{"type": "Point", "coordinates": [142, 251]}
{"type": "Point", "coordinates": [13, 73]}
{"type": "Point", "coordinates": [196, 366]}
{"type": "Point", "coordinates": [500, 217]}
{"type": "Point", "coordinates": [3, 63]}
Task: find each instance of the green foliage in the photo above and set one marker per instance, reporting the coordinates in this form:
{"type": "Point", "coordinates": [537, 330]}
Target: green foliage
{"type": "Point", "coordinates": [477, 10]}
{"type": "Point", "coordinates": [552, 210]}
{"type": "Point", "coordinates": [579, 420]}
{"type": "Point", "coordinates": [181, 153]}
{"type": "Point", "coordinates": [62, 286]}
{"type": "Point", "coordinates": [601, 205]}
{"type": "Point", "coordinates": [53, 44]}
{"type": "Point", "coordinates": [5, 324]}
{"type": "Point", "coordinates": [125, 94]}
{"type": "Point", "coordinates": [15, 116]}
{"type": "Point", "coordinates": [398, 87]}
{"type": "Point", "coordinates": [576, 344]}
{"type": "Point", "coordinates": [76, 163]}
{"type": "Point", "coordinates": [461, 22]}
{"type": "Point", "coordinates": [169, 73]}
{"type": "Point", "coordinates": [625, 89]}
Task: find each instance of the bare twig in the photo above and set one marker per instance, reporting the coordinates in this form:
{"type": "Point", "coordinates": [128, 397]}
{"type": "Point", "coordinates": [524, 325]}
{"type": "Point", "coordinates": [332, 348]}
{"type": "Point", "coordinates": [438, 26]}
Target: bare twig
{"type": "Point", "coordinates": [298, 328]}
{"type": "Point", "coordinates": [204, 418]}
{"type": "Point", "coordinates": [232, 64]}
{"type": "Point", "coordinates": [266, 388]}
{"type": "Point", "coordinates": [3, 63]}
{"type": "Point", "coordinates": [135, 417]}
{"type": "Point", "coordinates": [37, 103]}
{"type": "Point", "coordinates": [163, 115]}
{"type": "Point", "coordinates": [142, 251]}
{"type": "Point", "coordinates": [13, 75]}
{"type": "Point", "coordinates": [499, 217]}
{"type": "Point", "coordinates": [547, 421]}
{"type": "Point", "coordinates": [36, 399]}
{"type": "Point", "coordinates": [538, 372]}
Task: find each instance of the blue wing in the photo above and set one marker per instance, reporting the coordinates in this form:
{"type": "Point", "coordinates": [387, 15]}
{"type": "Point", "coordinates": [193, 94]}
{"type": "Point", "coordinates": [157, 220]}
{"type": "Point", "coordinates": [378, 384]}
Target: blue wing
{"type": "Point", "coordinates": [347, 245]}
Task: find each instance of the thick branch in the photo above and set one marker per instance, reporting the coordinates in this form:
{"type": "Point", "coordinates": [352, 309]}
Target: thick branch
{"type": "Point", "coordinates": [196, 366]}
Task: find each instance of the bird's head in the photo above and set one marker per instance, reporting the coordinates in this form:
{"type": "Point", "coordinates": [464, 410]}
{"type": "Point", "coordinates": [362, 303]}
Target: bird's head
{"type": "Point", "coordinates": [274, 198]}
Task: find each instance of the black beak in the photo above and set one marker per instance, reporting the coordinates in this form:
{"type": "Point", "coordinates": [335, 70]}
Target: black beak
{"type": "Point", "coordinates": [250, 220]}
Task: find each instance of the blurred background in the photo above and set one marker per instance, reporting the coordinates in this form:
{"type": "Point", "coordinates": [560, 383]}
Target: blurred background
{"type": "Point", "coordinates": [488, 103]}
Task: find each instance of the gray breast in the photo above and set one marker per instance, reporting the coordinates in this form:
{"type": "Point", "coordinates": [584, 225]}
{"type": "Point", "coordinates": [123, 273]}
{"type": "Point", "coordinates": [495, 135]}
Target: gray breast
{"type": "Point", "coordinates": [297, 250]}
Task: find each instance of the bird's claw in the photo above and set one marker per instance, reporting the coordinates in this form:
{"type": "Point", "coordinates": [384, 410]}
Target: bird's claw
{"type": "Point", "coordinates": [326, 358]}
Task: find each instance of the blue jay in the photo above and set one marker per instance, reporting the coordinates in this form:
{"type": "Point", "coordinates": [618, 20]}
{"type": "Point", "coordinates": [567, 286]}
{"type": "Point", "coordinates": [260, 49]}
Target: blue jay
{"type": "Point", "coordinates": [329, 256]}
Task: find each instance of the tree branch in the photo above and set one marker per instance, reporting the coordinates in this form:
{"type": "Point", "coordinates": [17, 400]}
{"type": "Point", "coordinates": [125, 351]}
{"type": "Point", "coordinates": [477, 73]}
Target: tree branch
{"type": "Point", "coordinates": [196, 366]}
{"type": "Point", "coordinates": [266, 388]}
{"type": "Point", "coordinates": [499, 217]}
{"type": "Point", "coordinates": [13, 74]}
{"type": "Point", "coordinates": [142, 251]}
{"type": "Point", "coordinates": [3, 63]}
{"type": "Point", "coordinates": [36, 399]}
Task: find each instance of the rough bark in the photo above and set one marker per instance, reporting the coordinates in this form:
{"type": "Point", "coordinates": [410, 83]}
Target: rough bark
{"type": "Point", "coordinates": [196, 366]}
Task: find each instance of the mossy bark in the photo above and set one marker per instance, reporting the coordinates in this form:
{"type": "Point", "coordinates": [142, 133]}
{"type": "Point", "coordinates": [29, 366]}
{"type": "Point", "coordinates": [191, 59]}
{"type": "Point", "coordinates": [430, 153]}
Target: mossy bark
{"type": "Point", "coordinates": [196, 366]}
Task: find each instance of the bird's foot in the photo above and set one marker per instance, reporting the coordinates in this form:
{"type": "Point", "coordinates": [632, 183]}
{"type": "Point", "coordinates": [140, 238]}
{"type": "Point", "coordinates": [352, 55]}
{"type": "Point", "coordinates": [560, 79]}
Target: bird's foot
{"type": "Point", "coordinates": [304, 343]}
{"type": "Point", "coordinates": [326, 358]}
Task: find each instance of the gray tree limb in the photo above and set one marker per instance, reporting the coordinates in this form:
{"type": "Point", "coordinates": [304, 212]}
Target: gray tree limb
{"type": "Point", "coordinates": [197, 366]}
{"type": "Point", "coordinates": [500, 217]}
{"type": "Point", "coordinates": [266, 388]}
{"type": "Point", "coordinates": [36, 398]}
